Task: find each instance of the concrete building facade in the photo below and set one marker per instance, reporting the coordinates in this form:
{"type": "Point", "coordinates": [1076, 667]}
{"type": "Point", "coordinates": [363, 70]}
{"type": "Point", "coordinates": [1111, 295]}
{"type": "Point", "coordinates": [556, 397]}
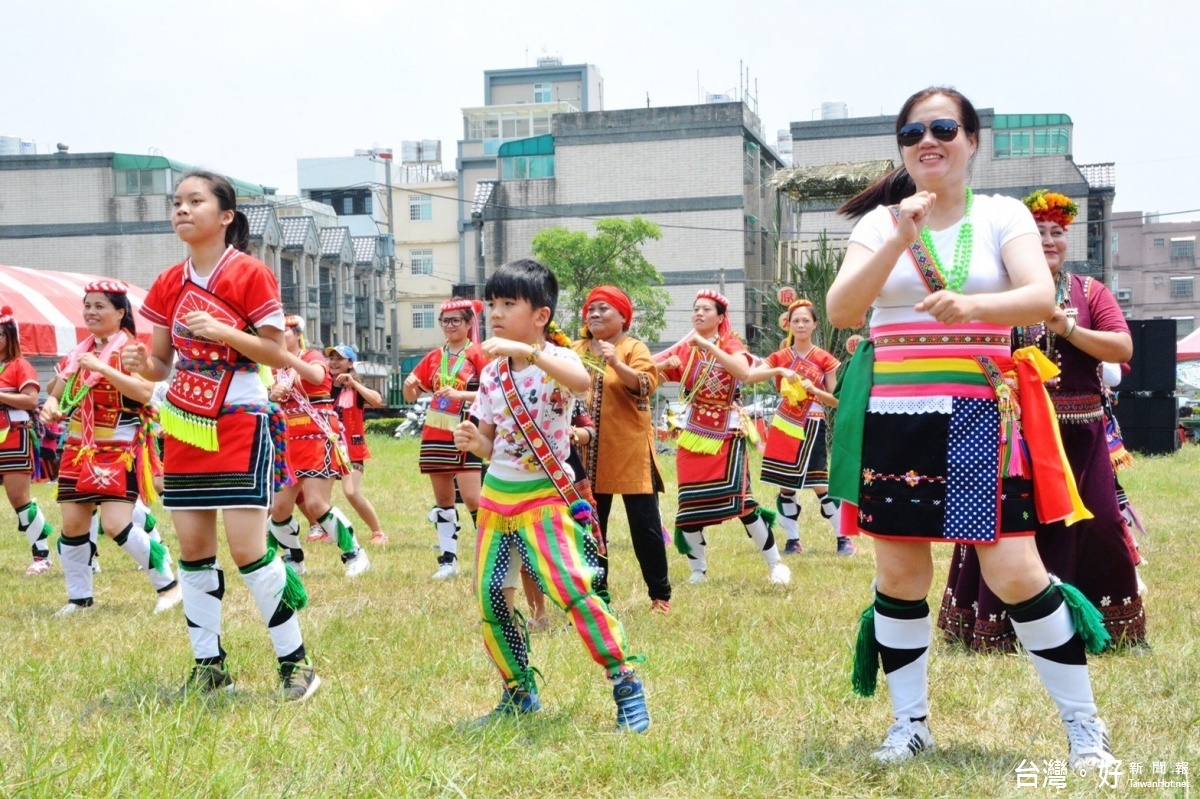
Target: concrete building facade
{"type": "Point", "coordinates": [1156, 274]}
{"type": "Point", "coordinates": [700, 172]}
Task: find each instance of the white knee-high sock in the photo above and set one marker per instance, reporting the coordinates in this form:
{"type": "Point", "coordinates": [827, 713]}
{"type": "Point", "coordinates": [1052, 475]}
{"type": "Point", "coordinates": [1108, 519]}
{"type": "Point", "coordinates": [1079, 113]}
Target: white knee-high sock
{"type": "Point", "coordinates": [903, 632]}
{"type": "Point", "coordinates": [696, 558]}
{"type": "Point", "coordinates": [33, 524]}
{"type": "Point", "coordinates": [287, 533]}
{"type": "Point", "coordinates": [338, 527]}
{"type": "Point", "coordinates": [76, 557]}
{"type": "Point", "coordinates": [266, 583]}
{"type": "Point", "coordinates": [137, 545]}
{"type": "Point", "coordinates": [445, 520]}
{"type": "Point", "coordinates": [829, 511]}
{"type": "Point", "coordinates": [760, 533]}
{"type": "Point", "coordinates": [789, 514]}
{"type": "Point", "coordinates": [1044, 627]}
{"type": "Point", "coordinates": [203, 585]}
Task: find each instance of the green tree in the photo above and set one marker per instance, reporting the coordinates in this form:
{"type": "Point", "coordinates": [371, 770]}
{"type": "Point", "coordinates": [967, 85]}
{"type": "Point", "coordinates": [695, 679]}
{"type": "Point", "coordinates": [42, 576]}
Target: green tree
{"type": "Point", "coordinates": [613, 256]}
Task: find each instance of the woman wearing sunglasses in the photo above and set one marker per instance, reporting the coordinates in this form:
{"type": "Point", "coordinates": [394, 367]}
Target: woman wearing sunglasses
{"type": "Point", "coordinates": [451, 374]}
{"type": "Point", "coordinates": [1086, 329]}
{"type": "Point", "coordinates": [930, 422]}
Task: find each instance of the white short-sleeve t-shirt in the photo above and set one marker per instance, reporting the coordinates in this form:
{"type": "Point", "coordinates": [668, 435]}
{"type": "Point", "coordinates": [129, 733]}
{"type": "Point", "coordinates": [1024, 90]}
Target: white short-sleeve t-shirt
{"type": "Point", "coordinates": [997, 221]}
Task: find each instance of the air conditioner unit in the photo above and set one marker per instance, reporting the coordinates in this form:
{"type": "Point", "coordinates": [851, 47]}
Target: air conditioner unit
{"type": "Point", "coordinates": [1125, 295]}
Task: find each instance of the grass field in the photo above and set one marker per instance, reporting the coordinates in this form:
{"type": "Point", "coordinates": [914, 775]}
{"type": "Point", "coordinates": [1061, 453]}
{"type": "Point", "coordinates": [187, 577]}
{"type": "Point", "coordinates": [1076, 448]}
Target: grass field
{"type": "Point", "coordinates": [748, 683]}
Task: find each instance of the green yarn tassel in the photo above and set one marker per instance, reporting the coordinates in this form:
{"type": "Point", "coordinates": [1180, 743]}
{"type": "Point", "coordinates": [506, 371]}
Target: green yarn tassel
{"type": "Point", "coordinates": [681, 543]}
{"type": "Point", "coordinates": [866, 655]}
{"type": "Point", "coordinates": [158, 556]}
{"type": "Point", "coordinates": [272, 546]}
{"type": "Point", "coordinates": [294, 595]}
{"type": "Point", "coordinates": [767, 515]}
{"type": "Point", "coordinates": [1087, 619]}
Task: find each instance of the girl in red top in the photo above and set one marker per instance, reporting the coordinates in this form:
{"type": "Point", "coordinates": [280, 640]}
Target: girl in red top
{"type": "Point", "coordinates": [316, 454]}
{"type": "Point", "coordinates": [451, 374]}
{"type": "Point", "coordinates": [18, 398]}
{"type": "Point", "coordinates": [109, 459]}
{"type": "Point", "coordinates": [219, 311]}
{"type": "Point", "coordinates": [795, 455]}
{"type": "Point", "coordinates": [349, 398]}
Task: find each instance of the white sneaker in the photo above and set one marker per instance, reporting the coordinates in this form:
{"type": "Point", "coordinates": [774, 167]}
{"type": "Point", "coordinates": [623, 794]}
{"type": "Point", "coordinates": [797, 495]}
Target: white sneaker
{"type": "Point", "coordinates": [780, 574]}
{"type": "Point", "coordinates": [71, 609]}
{"type": "Point", "coordinates": [317, 535]}
{"type": "Point", "coordinates": [96, 565]}
{"type": "Point", "coordinates": [298, 567]}
{"type": "Point", "coordinates": [358, 563]}
{"type": "Point", "coordinates": [905, 740]}
{"type": "Point", "coordinates": [168, 599]}
{"type": "Point", "coordinates": [447, 571]}
{"type": "Point", "coordinates": [1088, 738]}
{"type": "Point", "coordinates": [38, 566]}
{"type": "Point", "coordinates": [697, 578]}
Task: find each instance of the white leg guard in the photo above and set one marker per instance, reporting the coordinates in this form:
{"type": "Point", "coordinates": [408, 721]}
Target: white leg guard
{"type": "Point", "coordinates": [287, 533]}
{"type": "Point", "coordinates": [150, 556]}
{"type": "Point", "coordinates": [266, 584]}
{"type": "Point", "coordinates": [1057, 653]}
{"type": "Point", "coordinates": [696, 557]}
{"type": "Point", "coordinates": [903, 636]}
{"type": "Point", "coordinates": [829, 510]}
{"type": "Point", "coordinates": [203, 585]}
{"type": "Point", "coordinates": [762, 537]}
{"type": "Point", "coordinates": [789, 514]}
{"type": "Point", "coordinates": [338, 527]}
{"type": "Point", "coordinates": [33, 524]}
{"type": "Point", "coordinates": [448, 528]}
{"type": "Point", "coordinates": [144, 518]}
{"type": "Point", "coordinates": [76, 557]}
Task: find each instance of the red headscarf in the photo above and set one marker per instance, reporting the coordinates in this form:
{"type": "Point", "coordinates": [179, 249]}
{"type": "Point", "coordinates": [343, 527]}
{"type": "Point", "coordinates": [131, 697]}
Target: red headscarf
{"type": "Point", "coordinates": [614, 297]}
{"type": "Point", "coordinates": [474, 306]}
{"type": "Point", "coordinates": [726, 326]}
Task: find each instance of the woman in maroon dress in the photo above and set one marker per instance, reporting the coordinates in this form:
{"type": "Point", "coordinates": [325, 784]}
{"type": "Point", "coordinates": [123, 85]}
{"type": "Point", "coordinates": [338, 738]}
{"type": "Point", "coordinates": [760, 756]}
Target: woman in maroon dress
{"type": "Point", "coordinates": [1087, 328]}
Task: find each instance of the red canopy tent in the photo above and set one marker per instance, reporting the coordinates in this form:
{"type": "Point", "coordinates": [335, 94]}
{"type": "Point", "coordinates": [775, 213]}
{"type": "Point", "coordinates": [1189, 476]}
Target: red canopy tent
{"type": "Point", "coordinates": [1188, 347]}
{"type": "Point", "coordinates": [48, 307]}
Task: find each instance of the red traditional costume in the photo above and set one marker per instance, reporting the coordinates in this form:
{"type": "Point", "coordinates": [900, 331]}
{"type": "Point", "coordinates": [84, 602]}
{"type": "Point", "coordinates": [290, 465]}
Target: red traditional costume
{"type": "Point", "coordinates": [221, 439]}
{"type": "Point", "coordinates": [17, 439]}
{"type": "Point", "coordinates": [795, 455]}
{"type": "Point", "coordinates": [436, 370]}
{"type": "Point", "coordinates": [315, 447]}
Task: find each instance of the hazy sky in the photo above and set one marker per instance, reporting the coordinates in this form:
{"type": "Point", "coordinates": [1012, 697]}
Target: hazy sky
{"type": "Point", "coordinates": [248, 87]}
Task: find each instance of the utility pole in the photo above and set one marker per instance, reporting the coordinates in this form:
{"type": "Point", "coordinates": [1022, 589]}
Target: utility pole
{"type": "Point", "coordinates": [394, 379]}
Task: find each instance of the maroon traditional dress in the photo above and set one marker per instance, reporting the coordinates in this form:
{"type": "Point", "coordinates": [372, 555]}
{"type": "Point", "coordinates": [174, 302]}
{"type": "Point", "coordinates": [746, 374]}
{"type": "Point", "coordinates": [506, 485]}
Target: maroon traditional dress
{"type": "Point", "coordinates": [461, 372]}
{"type": "Point", "coordinates": [1092, 555]}
{"type": "Point", "coordinates": [350, 405]}
{"type": "Point", "coordinates": [795, 456]}
{"type": "Point", "coordinates": [714, 476]}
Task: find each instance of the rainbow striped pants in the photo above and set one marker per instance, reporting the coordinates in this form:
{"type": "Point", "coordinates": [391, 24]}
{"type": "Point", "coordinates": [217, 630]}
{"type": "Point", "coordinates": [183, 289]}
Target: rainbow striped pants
{"type": "Point", "coordinates": [528, 522]}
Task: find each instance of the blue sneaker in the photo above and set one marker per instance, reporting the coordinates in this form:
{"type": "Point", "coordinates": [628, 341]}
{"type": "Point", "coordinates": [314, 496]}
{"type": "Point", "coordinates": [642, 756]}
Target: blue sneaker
{"type": "Point", "coordinates": [632, 713]}
{"type": "Point", "coordinates": [512, 703]}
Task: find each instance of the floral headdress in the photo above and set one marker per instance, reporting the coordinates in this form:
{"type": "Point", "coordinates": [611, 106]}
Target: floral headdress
{"type": "Point", "coordinates": [1050, 206]}
{"type": "Point", "coordinates": [785, 319]}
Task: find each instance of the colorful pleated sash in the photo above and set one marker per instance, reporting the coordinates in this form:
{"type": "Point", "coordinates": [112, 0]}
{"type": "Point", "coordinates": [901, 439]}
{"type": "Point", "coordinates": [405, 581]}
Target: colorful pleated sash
{"type": "Point", "coordinates": [931, 359]}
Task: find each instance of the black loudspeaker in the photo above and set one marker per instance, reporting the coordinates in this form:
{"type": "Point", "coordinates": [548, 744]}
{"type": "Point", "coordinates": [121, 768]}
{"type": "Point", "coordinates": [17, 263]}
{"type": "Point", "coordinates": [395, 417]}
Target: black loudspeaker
{"type": "Point", "coordinates": [1140, 412]}
{"type": "Point", "coordinates": [1151, 441]}
{"type": "Point", "coordinates": [1153, 362]}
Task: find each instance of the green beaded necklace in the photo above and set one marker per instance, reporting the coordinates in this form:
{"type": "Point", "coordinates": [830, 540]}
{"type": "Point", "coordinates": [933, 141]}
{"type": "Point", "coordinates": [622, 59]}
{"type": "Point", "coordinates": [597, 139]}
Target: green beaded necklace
{"type": "Point", "coordinates": [74, 391]}
{"type": "Point", "coordinates": [962, 249]}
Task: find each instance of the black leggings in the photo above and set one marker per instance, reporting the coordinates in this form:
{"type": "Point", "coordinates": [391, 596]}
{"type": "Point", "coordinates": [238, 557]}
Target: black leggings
{"type": "Point", "coordinates": [645, 529]}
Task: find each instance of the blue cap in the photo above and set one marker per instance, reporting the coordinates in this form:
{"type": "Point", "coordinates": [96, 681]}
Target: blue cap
{"type": "Point", "coordinates": [344, 350]}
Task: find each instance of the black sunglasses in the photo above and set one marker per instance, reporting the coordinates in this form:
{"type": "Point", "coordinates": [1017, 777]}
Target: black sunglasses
{"type": "Point", "coordinates": [913, 132]}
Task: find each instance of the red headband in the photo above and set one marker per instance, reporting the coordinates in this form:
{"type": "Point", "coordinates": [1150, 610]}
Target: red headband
{"type": "Point", "coordinates": [614, 297]}
{"type": "Point", "coordinates": [785, 321]}
{"type": "Point", "coordinates": [6, 315]}
{"type": "Point", "coordinates": [721, 299]}
{"type": "Point", "coordinates": [474, 306]}
{"type": "Point", "coordinates": [106, 287]}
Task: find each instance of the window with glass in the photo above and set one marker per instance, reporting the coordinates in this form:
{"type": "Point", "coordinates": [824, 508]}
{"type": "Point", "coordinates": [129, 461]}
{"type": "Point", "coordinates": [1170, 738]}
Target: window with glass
{"type": "Point", "coordinates": [423, 316]}
{"type": "Point", "coordinates": [542, 93]}
{"type": "Point", "coordinates": [1185, 248]}
{"type": "Point", "coordinates": [420, 208]}
{"type": "Point", "coordinates": [1184, 325]}
{"type": "Point", "coordinates": [1159, 242]}
{"type": "Point", "coordinates": [527, 167]}
{"type": "Point", "coordinates": [1181, 286]}
{"type": "Point", "coordinates": [134, 182]}
{"type": "Point", "coordinates": [1028, 135]}
{"type": "Point", "coordinates": [421, 261]}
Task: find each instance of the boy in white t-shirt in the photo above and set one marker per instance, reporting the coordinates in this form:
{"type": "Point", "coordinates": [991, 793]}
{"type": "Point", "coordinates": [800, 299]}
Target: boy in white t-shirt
{"type": "Point", "coordinates": [522, 516]}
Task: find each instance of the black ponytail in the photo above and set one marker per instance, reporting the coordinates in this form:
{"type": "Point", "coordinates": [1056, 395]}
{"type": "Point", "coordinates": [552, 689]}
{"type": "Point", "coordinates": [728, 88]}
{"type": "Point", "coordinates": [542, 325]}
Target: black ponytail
{"type": "Point", "coordinates": [238, 232]}
{"type": "Point", "coordinates": [121, 303]}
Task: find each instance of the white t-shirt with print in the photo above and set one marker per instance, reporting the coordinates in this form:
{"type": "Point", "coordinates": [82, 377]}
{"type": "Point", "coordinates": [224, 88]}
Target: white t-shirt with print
{"type": "Point", "coordinates": [548, 403]}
